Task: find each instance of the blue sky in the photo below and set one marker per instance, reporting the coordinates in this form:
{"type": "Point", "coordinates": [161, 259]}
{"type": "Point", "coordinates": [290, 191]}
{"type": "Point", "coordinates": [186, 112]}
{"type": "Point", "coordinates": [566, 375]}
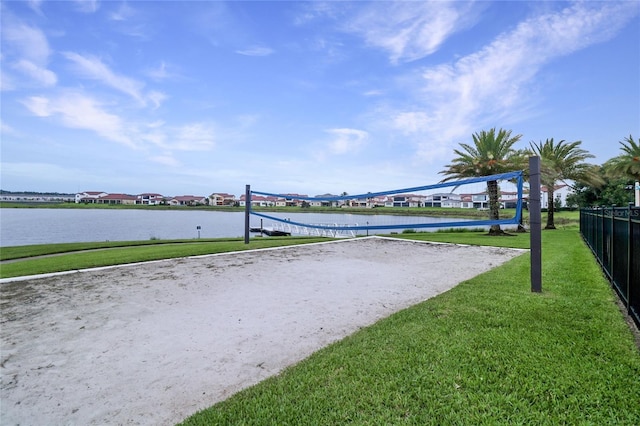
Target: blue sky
{"type": "Point", "coordinates": [306, 97]}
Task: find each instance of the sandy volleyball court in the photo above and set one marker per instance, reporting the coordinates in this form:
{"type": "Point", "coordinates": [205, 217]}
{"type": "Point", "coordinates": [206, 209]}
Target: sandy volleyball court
{"type": "Point", "coordinates": [153, 343]}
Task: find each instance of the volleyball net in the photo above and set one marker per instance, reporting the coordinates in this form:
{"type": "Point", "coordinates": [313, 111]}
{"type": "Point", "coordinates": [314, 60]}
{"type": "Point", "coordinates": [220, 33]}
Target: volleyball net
{"type": "Point", "coordinates": [398, 209]}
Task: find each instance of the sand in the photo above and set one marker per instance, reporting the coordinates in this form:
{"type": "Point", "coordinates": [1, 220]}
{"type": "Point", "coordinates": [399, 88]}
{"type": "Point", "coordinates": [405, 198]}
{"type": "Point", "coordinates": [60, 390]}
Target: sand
{"type": "Point", "coordinates": [153, 343]}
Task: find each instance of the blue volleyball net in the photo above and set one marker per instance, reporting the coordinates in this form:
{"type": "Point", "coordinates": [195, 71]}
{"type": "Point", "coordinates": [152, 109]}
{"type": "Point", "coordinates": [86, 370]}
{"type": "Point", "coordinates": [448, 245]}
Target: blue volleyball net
{"type": "Point", "coordinates": [337, 215]}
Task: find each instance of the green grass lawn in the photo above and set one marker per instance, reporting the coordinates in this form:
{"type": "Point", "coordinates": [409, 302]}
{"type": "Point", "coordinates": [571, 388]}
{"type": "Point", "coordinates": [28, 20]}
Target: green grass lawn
{"type": "Point", "coordinates": [73, 256]}
{"type": "Point", "coordinates": [486, 352]}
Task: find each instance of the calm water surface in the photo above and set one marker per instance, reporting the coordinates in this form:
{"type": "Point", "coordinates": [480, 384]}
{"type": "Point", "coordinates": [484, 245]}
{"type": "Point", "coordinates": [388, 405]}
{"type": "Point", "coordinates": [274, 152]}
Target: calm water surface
{"type": "Point", "coordinates": [45, 226]}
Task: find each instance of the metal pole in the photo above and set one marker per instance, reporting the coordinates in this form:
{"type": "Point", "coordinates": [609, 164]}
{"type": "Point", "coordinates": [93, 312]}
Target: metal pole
{"type": "Point", "coordinates": [629, 256]}
{"type": "Point", "coordinates": [247, 211]}
{"type": "Point", "coordinates": [535, 224]}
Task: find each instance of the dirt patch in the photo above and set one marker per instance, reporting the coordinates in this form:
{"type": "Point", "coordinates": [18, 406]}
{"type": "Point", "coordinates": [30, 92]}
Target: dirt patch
{"type": "Point", "coordinates": [153, 343]}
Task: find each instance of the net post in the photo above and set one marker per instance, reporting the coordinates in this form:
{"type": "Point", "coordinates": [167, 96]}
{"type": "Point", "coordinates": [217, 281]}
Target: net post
{"type": "Point", "coordinates": [247, 211]}
{"type": "Point", "coordinates": [535, 222]}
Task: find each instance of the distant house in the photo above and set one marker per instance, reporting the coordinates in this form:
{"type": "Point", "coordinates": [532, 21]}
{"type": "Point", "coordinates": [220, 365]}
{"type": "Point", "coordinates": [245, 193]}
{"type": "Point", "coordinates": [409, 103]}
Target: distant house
{"type": "Point", "coordinates": [445, 200]}
{"type": "Point", "coordinates": [405, 200]}
{"type": "Point", "coordinates": [222, 199]}
{"type": "Point", "coordinates": [89, 197]}
{"type": "Point", "coordinates": [116, 199]}
{"type": "Point", "coordinates": [188, 200]}
{"type": "Point", "coordinates": [259, 201]}
{"type": "Point", "coordinates": [36, 197]}
{"type": "Point", "coordinates": [323, 203]}
{"type": "Point", "coordinates": [150, 199]}
{"type": "Point", "coordinates": [293, 200]}
{"type": "Point", "coordinates": [560, 193]}
{"type": "Point", "coordinates": [475, 201]}
{"type": "Point", "coordinates": [98, 197]}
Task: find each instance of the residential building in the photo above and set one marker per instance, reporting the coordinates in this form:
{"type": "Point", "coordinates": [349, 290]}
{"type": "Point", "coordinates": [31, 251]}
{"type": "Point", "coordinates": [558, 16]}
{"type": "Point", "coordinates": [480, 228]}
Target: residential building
{"type": "Point", "coordinates": [117, 199]}
{"type": "Point", "coordinates": [188, 200]}
{"type": "Point", "coordinates": [560, 193]}
{"type": "Point", "coordinates": [222, 199]}
{"type": "Point", "coordinates": [445, 200]}
{"type": "Point", "coordinates": [89, 197]}
{"type": "Point", "coordinates": [150, 199]}
{"type": "Point", "coordinates": [261, 201]}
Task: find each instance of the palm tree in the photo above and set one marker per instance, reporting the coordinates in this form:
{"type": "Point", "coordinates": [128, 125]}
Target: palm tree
{"type": "Point", "coordinates": [492, 153]}
{"type": "Point", "coordinates": [628, 163]}
{"type": "Point", "coordinates": [562, 162]}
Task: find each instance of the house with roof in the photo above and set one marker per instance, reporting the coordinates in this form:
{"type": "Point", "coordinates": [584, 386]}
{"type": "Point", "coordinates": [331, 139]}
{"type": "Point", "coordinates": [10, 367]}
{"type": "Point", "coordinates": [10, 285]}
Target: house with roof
{"type": "Point", "coordinates": [323, 203]}
{"type": "Point", "coordinates": [445, 200]}
{"type": "Point", "coordinates": [188, 200]}
{"type": "Point", "coordinates": [89, 197]}
{"type": "Point", "coordinates": [222, 199]}
{"type": "Point", "coordinates": [405, 200]}
{"type": "Point", "coordinates": [150, 199]}
{"type": "Point", "coordinates": [117, 199]}
{"type": "Point", "coordinates": [560, 193]}
{"type": "Point", "coordinates": [259, 201]}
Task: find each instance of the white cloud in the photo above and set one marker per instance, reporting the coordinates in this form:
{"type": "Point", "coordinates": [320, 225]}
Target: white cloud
{"type": "Point", "coordinates": [35, 6]}
{"type": "Point", "coordinates": [27, 49]}
{"type": "Point", "coordinates": [87, 6]}
{"type": "Point", "coordinates": [492, 84]}
{"type": "Point", "coordinates": [94, 68]}
{"type": "Point", "coordinates": [39, 74]}
{"type": "Point", "coordinates": [78, 111]}
{"type": "Point", "coordinates": [194, 137]}
{"type": "Point", "coordinates": [6, 129]}
{"type": "Point", "coordinates": [166, 160]}
{"type": "Point", "coordinates": [124, 12]}
{"type": "Point", "coordinates": [410, 30]}
{"type": "Point", "coordinates": [160, 73]}
{"type": "Point", "coordinates": [157, 98]}
{"type": "Point", "coordinates": [7, 82]}
{"type": "Point", "coordinates": [256, 51]}
{"type": "Point", "coordinates": [31, 42]}
{"type": "Point", "coordinates": [346, 140]}
{"type": "Point", "coordinates": [373, 92]}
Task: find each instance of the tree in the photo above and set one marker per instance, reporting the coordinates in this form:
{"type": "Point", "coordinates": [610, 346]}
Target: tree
{"type": "Point", "coordinates": [627, 164]}
{"type": "Point", "coordinates": [491, 153]}
{"type": "Point", "coordinates": [562, 162]}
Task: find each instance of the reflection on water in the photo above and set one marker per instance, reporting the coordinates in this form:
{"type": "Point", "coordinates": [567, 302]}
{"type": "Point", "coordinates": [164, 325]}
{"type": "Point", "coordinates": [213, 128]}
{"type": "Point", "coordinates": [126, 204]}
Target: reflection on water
{"type": "Point", "coordinates": [44, 226]}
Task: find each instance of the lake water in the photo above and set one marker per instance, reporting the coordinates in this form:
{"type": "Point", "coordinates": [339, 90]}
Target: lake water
{"type": "Point", "coordinates": [44, 226]}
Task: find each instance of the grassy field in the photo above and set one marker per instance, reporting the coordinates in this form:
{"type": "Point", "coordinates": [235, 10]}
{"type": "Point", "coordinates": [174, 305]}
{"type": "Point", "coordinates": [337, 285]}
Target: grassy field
{"type": "Point", "coordinates": [487, 352]}
{"type": "Point", "coordinates": [47, 258]}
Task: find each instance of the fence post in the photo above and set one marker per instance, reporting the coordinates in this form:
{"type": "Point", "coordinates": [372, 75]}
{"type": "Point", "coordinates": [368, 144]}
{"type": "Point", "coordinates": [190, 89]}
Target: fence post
{"type": "Point", "coordinates": [535, 224]}
{"type": "Point", "coordinates": [602, 243]}
{"type": "Point", "coordinates": [611, 242]}
{"type": "Point", "coordinates": [629, 257]}
{"type": "Point", "coordinates": [247, 210]}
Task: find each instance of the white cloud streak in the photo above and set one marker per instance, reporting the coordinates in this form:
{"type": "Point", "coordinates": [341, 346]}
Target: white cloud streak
{"type": "Point", "coordinates": [346, 140]}
{"type": "Point", "coordinates": [78, 111]}
{"type": "Point", "coordinates": [93, 68]}
{"type": "Point", "coordinates": [256, 51]}
{"type": "Point", "coordinates": [87, 6]}
{"type": "Point", "coordinates": [41, 75]}
{"type": "Point", "coordinates": [410, 30]}
{"type": "Point", "coordinates": [29, 52]}
{"type": "Point", "coordinates": [31, 42]}
{"type": "Point", "coordinates": [491, 84]}
{"type": "Point", "coordinates": [194, 137]}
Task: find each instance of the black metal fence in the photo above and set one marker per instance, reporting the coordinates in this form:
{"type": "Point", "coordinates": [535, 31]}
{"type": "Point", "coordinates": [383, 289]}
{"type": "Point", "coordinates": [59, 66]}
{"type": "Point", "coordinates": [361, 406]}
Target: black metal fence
{"type": "Point", "coordinates": [613, 234]}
